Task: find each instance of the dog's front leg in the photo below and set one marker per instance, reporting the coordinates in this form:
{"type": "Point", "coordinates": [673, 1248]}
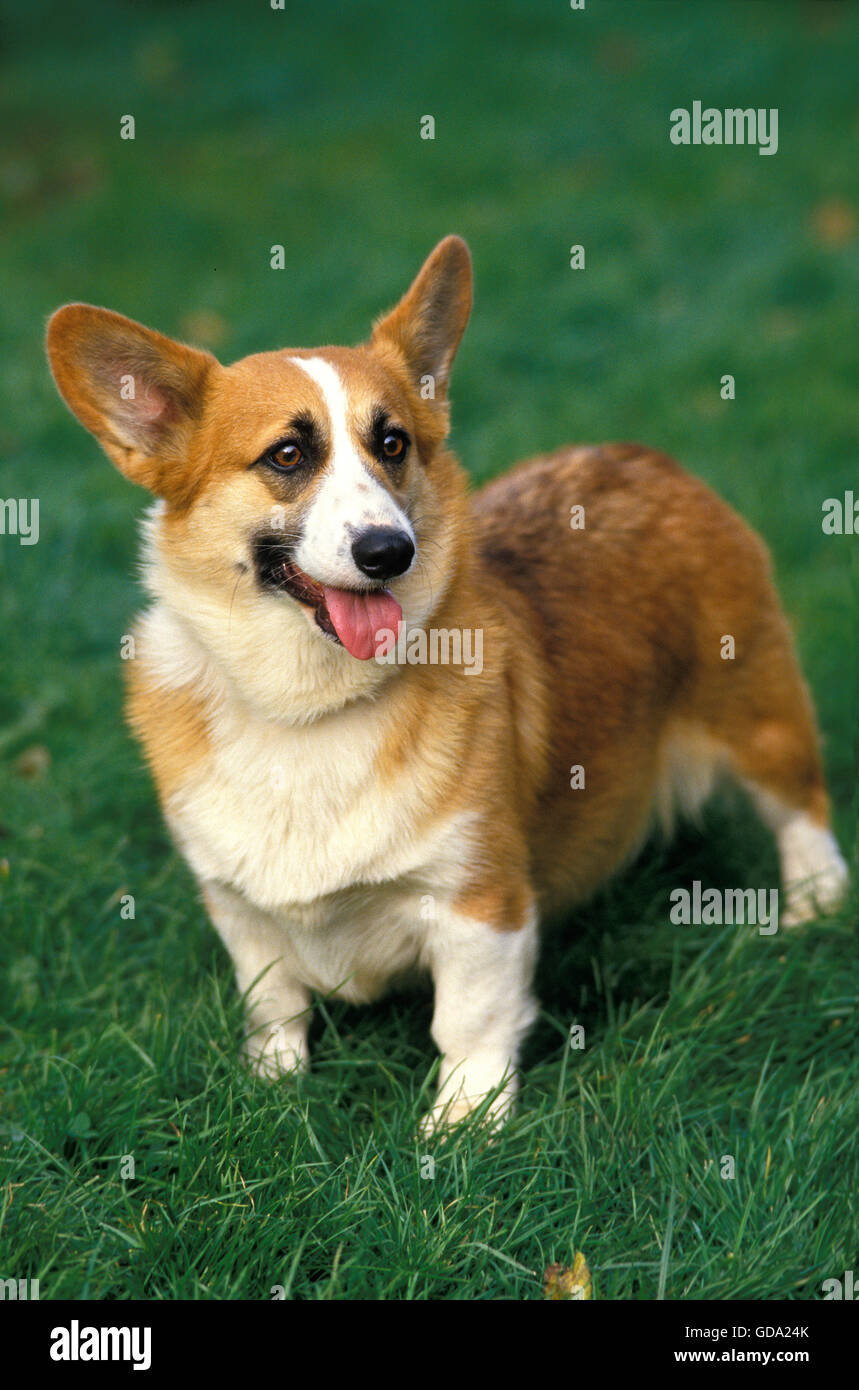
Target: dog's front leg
{"type": "Point", "coordinates": [483, 1009]}
{"type": "Point", "coordinates": [278, 1005]}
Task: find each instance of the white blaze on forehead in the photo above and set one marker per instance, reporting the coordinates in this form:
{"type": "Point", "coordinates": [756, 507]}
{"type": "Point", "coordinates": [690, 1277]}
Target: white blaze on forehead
{"type": "Point", "coordinates": [349, 498]}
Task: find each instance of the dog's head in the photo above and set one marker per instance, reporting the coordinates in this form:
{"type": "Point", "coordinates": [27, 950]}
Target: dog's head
{"type": "Point", "coordinates": [305, 491]}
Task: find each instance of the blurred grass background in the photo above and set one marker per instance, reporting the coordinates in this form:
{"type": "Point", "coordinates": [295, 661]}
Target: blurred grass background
{"type": "Point", "coordinates": [257, 127]}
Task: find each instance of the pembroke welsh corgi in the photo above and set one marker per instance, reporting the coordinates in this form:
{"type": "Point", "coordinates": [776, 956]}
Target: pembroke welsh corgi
{"type": "Point", "coordinates": [392, 723]}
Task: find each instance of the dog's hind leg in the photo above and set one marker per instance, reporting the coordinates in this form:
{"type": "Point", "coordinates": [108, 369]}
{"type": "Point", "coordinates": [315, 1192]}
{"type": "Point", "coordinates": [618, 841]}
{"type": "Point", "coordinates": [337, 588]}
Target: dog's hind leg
{"type": "Point", "coordinates": [758, 710]}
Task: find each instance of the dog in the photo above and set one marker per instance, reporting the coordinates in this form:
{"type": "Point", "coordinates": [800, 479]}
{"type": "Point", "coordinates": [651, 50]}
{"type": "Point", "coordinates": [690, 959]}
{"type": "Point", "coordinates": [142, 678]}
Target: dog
{"type": "Point", "coordinates": [352, 815]}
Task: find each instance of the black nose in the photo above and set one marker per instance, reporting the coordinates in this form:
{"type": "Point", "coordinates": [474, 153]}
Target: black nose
{"type": "Point", "coordinates": [380, 552]}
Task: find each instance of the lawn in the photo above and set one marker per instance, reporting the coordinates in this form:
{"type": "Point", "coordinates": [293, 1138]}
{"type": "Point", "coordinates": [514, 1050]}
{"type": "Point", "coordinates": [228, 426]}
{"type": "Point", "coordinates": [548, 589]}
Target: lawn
{"type": "Point", "coordinates": [120, 1035]}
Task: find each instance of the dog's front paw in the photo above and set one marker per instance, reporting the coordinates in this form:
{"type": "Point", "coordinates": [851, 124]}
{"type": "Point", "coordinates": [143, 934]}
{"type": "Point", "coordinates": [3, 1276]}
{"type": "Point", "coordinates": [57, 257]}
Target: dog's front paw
{"type": "Point", "coordinates": [276, 1050]}
{"type": "Point", "coordinates": [458, 1102]}
{"type": "Point", "coordinates": [444, 1117]}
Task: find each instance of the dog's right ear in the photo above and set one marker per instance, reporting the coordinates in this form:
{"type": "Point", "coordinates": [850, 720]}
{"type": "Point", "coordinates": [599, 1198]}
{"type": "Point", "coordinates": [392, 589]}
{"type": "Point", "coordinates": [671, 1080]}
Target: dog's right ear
{"type": "Point", "coordinates": [138, 392]}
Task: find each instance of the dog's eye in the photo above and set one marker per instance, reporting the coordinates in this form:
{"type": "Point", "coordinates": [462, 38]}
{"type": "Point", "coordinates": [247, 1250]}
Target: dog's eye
{"type": "Point", "coordinates": [286, 456]}
{"type": "Point", "coordinates": [394, 445]}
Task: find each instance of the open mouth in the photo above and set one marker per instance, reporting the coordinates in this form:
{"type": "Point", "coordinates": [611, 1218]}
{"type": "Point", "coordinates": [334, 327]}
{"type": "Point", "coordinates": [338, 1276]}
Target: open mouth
{"type": "Point", "coordinates": [360, 619]}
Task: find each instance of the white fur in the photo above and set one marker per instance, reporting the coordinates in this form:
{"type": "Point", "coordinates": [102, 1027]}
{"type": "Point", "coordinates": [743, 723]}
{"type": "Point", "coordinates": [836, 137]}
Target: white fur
{"type": "Point", "coordinates": [277, 1004]}
{"type": "Point", "coordinates": [292, 814]}
{"type": "Point", "coordinates": [814, 873]}
{"type": "Point", "coordinates": [349, 498]}
{"type": "Point", "coordinates": [316, 878]}
{"type": "Point", "coordinates": [293, 819]}
{"type": "Point", "coordinates": [483, 1000]}
{"type": "Point", "coordinates": [690, 761]}
{"type": "Point", "coordinates": [483, 1009]}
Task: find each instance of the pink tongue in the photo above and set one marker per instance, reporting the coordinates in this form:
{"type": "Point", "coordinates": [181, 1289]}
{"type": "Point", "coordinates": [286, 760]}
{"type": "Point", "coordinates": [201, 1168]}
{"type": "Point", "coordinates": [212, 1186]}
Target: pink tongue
{"type": "Point", "coordinates": [357, 618]}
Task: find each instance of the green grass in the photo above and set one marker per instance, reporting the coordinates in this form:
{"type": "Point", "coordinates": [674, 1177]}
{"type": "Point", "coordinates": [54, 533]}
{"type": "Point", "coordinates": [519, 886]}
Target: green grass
{"type": "Point", "coordinates": [121, 1036]}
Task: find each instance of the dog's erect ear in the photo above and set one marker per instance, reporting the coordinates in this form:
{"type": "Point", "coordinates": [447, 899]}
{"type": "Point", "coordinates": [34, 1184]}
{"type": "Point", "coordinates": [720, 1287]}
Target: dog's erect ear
{"type": "Point", "coordinates": [138, 392]}
{"type": "Point", "coordinates": [429, 321]}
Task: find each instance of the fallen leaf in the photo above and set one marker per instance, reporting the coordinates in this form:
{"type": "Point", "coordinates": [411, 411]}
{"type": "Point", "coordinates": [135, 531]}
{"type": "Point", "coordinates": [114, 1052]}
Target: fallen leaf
{"type": "Point", "coordinates": [565, 1284]}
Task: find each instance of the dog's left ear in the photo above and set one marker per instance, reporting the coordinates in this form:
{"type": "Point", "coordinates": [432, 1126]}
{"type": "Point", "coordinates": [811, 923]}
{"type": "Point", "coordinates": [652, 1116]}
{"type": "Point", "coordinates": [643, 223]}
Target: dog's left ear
{"type": "Point", "coordinates": [429, 321]}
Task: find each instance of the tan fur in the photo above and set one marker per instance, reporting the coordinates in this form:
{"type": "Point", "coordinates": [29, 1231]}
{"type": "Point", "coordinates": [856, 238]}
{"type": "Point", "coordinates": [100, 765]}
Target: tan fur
{"type": "Point", "coordinates": [171, 725]}
{"type": "Point", "coordinates": [631, 612]}
{"type": "Point", "coordinates": [348, 819]}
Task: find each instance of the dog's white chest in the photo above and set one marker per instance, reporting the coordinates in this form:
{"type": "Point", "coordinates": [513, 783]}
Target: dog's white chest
{"type": "Point", "coordinates": [291, 816]}
{"type": "Point", "coordinates": [288, 815]}
{"type": "Point", "coordinates": [296, 823]}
